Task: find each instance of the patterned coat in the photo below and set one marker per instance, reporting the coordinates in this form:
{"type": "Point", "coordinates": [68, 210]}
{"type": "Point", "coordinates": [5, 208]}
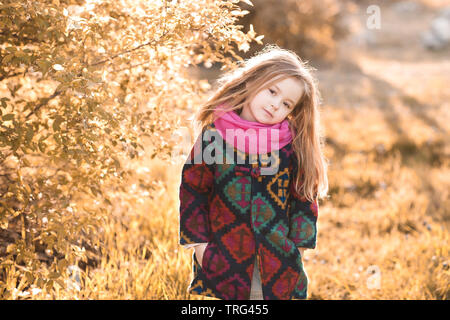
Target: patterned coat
{"type": "Point", "coordinates": [242, 215]}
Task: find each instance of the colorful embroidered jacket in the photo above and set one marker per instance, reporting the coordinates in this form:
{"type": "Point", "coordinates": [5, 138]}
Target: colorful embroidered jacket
{"type": "Point", "coordinates": [242, 214]}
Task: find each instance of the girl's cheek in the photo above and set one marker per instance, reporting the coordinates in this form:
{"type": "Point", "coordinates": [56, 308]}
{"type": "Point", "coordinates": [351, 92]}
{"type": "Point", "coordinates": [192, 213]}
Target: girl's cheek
{"type": "Point", "coordinates": [264, 98]}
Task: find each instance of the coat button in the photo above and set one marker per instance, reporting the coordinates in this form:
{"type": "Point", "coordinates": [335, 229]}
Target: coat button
{"type": "Point", "coordinates": [255, 172]}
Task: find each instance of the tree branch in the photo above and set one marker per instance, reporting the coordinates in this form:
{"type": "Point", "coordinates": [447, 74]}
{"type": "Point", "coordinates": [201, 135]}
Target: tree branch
{"type": "Point", "coordinates": [12, 75]}
{"type": "Point", "coordinates": [44, 102]}
{"type": "Point", "coordinates": [57, 93]}
{"type": "Point", "coordinates": [128, 51]}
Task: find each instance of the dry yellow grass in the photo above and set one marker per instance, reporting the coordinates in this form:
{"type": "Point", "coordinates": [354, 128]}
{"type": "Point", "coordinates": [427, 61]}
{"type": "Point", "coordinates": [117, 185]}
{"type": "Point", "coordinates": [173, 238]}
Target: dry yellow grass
{"type": "Point", "coordinates": [383, 215]}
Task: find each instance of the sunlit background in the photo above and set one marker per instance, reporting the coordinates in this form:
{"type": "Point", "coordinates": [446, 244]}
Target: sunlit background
{"type": "Point", "coordinates": [96, 102]}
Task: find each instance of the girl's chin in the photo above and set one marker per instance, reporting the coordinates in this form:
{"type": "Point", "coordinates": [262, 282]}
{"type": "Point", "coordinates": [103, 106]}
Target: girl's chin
{"type": "Point", "coordinates": [265, 118]}
{"type": "Point", "coordinates": [264, 121]}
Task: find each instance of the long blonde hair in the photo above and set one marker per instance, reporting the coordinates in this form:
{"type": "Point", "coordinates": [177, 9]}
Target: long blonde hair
{"type": "Point", "coordinates": [240, 85]}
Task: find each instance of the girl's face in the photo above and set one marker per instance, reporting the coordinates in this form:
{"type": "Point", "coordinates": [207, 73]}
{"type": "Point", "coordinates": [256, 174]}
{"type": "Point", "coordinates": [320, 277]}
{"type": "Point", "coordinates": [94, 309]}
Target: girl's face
{"type": "Point", "coordinates": [273, 104]}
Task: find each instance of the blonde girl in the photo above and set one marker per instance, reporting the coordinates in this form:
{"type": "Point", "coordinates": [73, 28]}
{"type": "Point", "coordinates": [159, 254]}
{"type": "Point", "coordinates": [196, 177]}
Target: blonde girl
{"type": "Point", "coordinates": [250, 230]}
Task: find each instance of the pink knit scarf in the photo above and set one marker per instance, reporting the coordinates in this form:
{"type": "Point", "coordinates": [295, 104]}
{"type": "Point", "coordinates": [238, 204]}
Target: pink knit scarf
{"type": "Point", "coordinates": [262, 139]}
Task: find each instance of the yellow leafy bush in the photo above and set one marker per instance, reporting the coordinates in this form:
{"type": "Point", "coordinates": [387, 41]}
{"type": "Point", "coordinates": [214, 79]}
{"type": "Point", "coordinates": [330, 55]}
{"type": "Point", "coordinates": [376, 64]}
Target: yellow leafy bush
{"type": "Point", "coordinates": [82, 84]}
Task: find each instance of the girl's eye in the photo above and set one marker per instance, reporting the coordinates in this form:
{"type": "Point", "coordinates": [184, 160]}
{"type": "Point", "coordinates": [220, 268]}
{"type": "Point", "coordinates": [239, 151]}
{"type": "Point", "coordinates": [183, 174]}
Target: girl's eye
{"type": "Point", "coordinates": [272, 92]}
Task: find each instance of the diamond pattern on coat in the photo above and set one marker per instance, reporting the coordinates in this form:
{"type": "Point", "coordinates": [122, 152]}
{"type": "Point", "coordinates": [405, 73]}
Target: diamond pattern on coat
{"type": "Point", "coordinates": [240, 243]}
{"type": "Point", "coordinates": [198, 177]}
{"type": "Point", "coordinates": [262, 212]}
{"type": "Point", "coordinates": [196, 223]}
{"type": "Point", "coordinates": [222, 170]}
{"type": "Point", "coordinates": [238, 192]}
{"type": "Point", "coordinates": [186, 198]}
{"type": "Point", "coordinates": [278, 238]}
{"type": "Point", "coordinates": [278, 187]}
{"type": "Point", "coordinates": [234, 288]}
{"type": "Point", "coordinates": [217, 264]}
{"type": "Point", "coordinates": [285, 283]}
{"type": "Point", "coordinates": [270, 264]}
{"type": "Point", "coordinates": [302, 228]}
{"type": "Point", "coordinates": [220, 214]}
{"type": "Point", "coordinates": [302, 285]}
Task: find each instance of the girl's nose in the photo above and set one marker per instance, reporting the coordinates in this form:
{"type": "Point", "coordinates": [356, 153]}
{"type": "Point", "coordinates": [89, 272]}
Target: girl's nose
{"type": "Point", "coordinates": [275, 106]}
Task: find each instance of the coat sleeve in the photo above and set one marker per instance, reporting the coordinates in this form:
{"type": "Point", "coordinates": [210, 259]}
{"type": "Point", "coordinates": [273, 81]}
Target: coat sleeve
{"type": "Point", "coordinates": [196, 187]}
{"type": "Point", "coordinates": [303, 216]}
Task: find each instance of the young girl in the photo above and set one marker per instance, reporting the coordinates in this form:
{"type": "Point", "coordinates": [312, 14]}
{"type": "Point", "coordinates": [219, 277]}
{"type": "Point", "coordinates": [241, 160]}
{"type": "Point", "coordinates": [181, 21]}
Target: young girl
{"type": "Point", "coordinates": [250, 187]}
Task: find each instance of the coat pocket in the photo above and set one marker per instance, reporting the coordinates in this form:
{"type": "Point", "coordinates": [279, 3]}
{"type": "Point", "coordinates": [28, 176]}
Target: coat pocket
{"type": "Point", "coordinates": [206, 255]}
{"type": "Point", "coordinates": [299, 290]}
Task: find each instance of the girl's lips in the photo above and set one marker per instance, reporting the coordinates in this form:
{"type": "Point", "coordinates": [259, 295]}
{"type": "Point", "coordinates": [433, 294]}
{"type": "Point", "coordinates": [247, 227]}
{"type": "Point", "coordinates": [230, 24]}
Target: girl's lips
{"type": "Point", "coordinates": [268, 112]}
